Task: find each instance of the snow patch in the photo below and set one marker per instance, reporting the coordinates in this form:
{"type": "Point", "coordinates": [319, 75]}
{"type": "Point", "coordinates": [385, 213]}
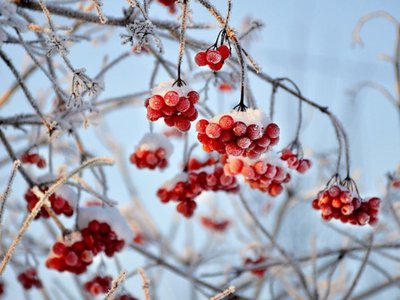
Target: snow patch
{"type": "Point", "coordinates": [250, 116]}
{"type": "Point", "coordinates": [108, 215]}
{"type": "Point", "coordinates": [165, 86]}
{"type": "Point", "coordinates": [170, 184]}
{"type": "Point", "coordinates": [154, 141]}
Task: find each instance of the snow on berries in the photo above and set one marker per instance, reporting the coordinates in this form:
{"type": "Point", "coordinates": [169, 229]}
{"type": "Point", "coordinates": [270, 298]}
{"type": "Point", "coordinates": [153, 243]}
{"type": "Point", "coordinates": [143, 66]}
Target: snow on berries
{"type": "Point", "coordinates": [176, 105]}
{"type": "Point", "coordinates": [338, 202]}
{"type": "Point", "coordinates": [30, 279]}
{"type": "Point", "coordinates": [100, 230]}
{"type": "Point", "coordinates": [238, 133]}
{"type": "Point", "coordinates": [185, 187]}
{"type": "Point", "coordinates": [266, 173]}
{"type": "Point", "coordinates": [62, 202]}
{"type": "Point", "coordinates": [98, 285]}
{"type": "Point", "coordinates": [259, 272]}
{"type": "Point", "coordinates": [152, 152]}
{"type": "Point", "coordinates": [33, 159]}
{"type": "Point", "coordinates": [213, 57]}
{"type": "Point", "coordinates": [293, 161]}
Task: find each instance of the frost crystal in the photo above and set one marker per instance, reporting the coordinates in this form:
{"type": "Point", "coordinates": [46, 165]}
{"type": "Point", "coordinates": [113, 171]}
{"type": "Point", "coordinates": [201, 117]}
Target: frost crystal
{"type": "Point", "coordinates": [9, 17]}
{"type": "Point", "coordinates": [141, 33]}
{"type": "Point", "coordinates": [81, 83]}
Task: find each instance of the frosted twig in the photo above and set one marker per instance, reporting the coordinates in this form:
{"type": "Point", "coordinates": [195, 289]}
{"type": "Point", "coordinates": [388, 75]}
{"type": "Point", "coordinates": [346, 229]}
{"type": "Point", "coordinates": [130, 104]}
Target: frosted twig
{"type": "Point", "coordinates": [42, 201]}
{"type": "Point", "coordinates": [146, 284]}
{"type": "Point", "coordinates": [115, 286]}
{"type": "Point", "coordinates": [229, 291]}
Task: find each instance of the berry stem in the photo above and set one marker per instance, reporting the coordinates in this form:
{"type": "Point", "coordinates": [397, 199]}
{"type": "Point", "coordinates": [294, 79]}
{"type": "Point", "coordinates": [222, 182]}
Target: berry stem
{"type": "Point", "coordinates": [179, 82]}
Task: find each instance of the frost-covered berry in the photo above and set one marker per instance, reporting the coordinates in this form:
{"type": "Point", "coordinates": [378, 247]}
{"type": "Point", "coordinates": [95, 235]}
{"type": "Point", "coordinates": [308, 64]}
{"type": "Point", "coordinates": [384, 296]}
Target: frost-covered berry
{"type": "Point", "coordinates": [213, 57]}
{"type": "Point", "coordinates": [153, 151]}
{"type": "Point", "coordinates": [338, 202]}
{"type": "Point", "coordinates": [238, 133]}
{"type": "Point", "coordinates": [174, 104]}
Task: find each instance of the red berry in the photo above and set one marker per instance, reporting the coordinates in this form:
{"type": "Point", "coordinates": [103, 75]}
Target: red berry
{"type": "Point", "coordinates": [224, 51]}
{"type": "Point", "coordinates": [213, 57]}
{"type": "Point", "coordinates": [213, 130]}
{"type": "Point", "coordinates": [272, 131]}
{"type": "Point", "coordinates": [193, 97]}
{"type": "Point", "coordinates": [171, 98]}
{"type": "Point", "coordinates": [156, 102]}
{"type": "Point", "coordinates": [226, 122]}
{"type": "Point", "coordinates": [201, 59]}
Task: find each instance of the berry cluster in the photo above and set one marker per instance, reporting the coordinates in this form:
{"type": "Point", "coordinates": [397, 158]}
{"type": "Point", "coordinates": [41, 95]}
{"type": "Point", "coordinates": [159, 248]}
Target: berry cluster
{"type": "Point", "coordinates": [265, 173]}
{"type": "Point", "coordinates": [213, 58]}
{"type": "Point", "coordinates": [338, 202]}
{"type": "Point", "coordinates": [215, 225]}
{"type": "Point", "coordinates": [152, 152]}
{"type": "Point", "coordinates": [77, 252]}
{"type": "Point", "coordinates": [98, 285]}
{"type": "Point", "coordinates": [184, 188]}
{"type": "Point", "coordinates": [212, 178]}
{"type": "Point", "coordinates": [61, 202]}
{"type": "Point", "coordinates": [170, 4]}
{"type": "Point", "coordinates": [239, 133]}
{"type": "Point", "coordinates": [29, 279]}
{"type": "Point", "coordinates": [259, 272]}
{"type": "Point", "coordinates": [34, 159]}
{"type": "Point", "coordinates": [301, 165]}
{"type": "Point", "coordinates": [176, 107]}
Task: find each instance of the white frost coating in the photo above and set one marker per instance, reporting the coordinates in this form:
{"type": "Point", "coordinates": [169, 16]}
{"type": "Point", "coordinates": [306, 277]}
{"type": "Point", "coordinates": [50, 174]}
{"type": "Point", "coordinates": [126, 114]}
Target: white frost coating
{"type": "Point", "coordinates": [170, 184]}
{"type": "Point", "coordinates": [68, 195]}
{"type": "Point", "coordinates": [108, 215]}
{"type": "Point", "coordinates": [166, 86]}
{"type": "Point", "coordinates": [64, 191]}
{"type": "Point", "coordinates": [153, 141]}
{"type": "Point", "coordinates": [250, 116]}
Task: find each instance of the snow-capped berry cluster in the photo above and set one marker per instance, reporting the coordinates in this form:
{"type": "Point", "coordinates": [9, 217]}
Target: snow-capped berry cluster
{"type": "Point", "coordinates": [33, 159]}
{"type": "Point", "coordinates": [215, 225]}
{"type": "Point", "coordinates": [152, 152]}
{"type": "Point", "coordinates": [102, 230]}
{"type": "Point", "coordinates": [62, 202]}
{"type": "Point", "coordinates": [71, 254]}
{"type": "Point", "coordinates": [170, 4]}
{"type": "Point", "coordinates": [338, 202]}
{"type": "Point", "coordinates": [185, 187]}
{"type": "Point", "coordinates": [259, 272]}
{"type": "Point", "coordinates": [239, 133]}
{"type": "Point", "coordinates": [29, 279]}
{"type": "Point", "coordinates": [98, 285]}
{"type": "Point", "coordinates": [213, 178]}
{"type": "Point", "coordinates": [176, 105]}
{"type": "Point", "coordinates": [213, 58]}
{"type": "Point", "coordinates": [301, 165]}
{"type": "Point", "coordinates": [266, 173]}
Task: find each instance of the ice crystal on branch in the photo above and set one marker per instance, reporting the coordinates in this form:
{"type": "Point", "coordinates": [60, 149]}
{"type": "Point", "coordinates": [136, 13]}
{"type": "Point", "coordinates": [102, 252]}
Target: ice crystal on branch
{"type": "Point", "coordinates": [8, 18]}
{"type": "Point", "coordinates": [140, 34]}
{"type": "Point", "coordinates": [81, 83]}
{"type": "Point", "coordinates": [55, 44]}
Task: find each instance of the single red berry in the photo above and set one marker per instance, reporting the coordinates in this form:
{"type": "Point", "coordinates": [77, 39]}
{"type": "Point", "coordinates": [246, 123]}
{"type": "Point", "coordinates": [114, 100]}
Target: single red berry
{"type": "Point", "coordinates": [224, 51]}
{"type": "Point", "coordinates": [201, 59]}
{"type": "Point", "coordinates": [171, 98]}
